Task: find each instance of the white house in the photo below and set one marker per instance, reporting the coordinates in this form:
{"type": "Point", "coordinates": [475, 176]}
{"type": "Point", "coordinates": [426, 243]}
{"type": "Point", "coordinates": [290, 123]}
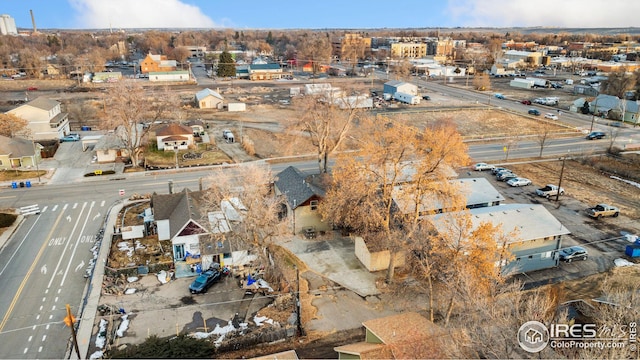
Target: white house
{"type": "Point", "coordinates": [174, 137]}
{"type": "Point", "coordinates": [45, 119]}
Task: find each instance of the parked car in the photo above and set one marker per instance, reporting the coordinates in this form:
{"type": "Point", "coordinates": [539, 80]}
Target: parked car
{"type": "Point", "coordinates": [204, 281]}
{"type": "Point", "coordinates": [534, 112]}
{"type": "Point", "coordinates": [500, 172]}
{"type": "Point", "coordinates": [426, 97]}
{"type": "Point", "coordinates": [482, 167]}
{"type": "Point", "coordinates": [506, 176]}
{"type": "Point", "coordinates": [519, 182]}
{"type": "Point", "coordinates": [32, 88]}
{"type": "Point", "coordinates": [70, 137]}
{"type": "Point", "coordinates": [551, 116]}
{"type": "Point", "coordinates": [573, 253]}
{"type": "Point", "coordinates": [595, 135]}
{"type": "Point", "coordinates": [496, 170]}
{"type": "Point", "coordinates": [499, 96]}
{"type": "Point", "coordinates": [526, 102]}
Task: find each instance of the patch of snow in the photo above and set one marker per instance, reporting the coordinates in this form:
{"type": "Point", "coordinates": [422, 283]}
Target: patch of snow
{"type": "Point", "coordinates": [132, 279]}
{"type": "Point", "coordinates": [124, 325]}
{"type": "Point", "coordinates": [162, 277]}
{"type": "Point", "coordinates": [130, 291]}
{"type": "Point", "coordinates": [258, 320]}
{"type": "Point", "coordinates": [626, 181]}
{"type": "Point", "coordinates": [264, 285]}
{"type": "Point", "coordinates": [622, 262]}
{"type": "Point", "coordinates": [101, 339]}
{"type": "Point", "coordinates": [96, 355]}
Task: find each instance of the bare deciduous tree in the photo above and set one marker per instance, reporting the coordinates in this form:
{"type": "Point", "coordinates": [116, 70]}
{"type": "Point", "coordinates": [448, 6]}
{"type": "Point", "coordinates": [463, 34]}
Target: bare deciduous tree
{"type": "Point", "coordinates": [12, 125]}
{"type": "Point", "coordinates": [326, 119]}
{"type": "Point", "coordinates": [381, 193]}
{"type": "Point", "coordinates": [316, 48]}
{"type": "Point", "coordinates": [130, 112]}
{"type": "Point", "coordinates": [246, 191]}
{"type": "Point", "coordinates": [543, 131]}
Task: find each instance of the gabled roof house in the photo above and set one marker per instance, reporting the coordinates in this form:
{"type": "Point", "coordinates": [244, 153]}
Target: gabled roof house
{"type": "Point", "coordinates": [303, 195]}
{"type": "Point", "coordinates": [174, 136]}
{"type": "Point", "coordinates": [45, 119]}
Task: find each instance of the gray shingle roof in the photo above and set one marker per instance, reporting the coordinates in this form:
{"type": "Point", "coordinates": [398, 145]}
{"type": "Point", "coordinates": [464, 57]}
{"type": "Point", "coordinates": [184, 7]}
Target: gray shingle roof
{"type": "Point", "coordinates": [43, 103]}
{"type": "Point", "coordinates": [180, 208]}
{"type": "Point", "coordinates": [292, 183]}
{"type": "Point", "coordinates": [15, 147]}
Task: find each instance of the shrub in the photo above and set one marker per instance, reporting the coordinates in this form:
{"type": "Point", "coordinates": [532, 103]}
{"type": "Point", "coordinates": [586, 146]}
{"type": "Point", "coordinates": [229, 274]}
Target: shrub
{"type": "Point", "coordinates": [248, 146]}
{"type": "Point", "coordinates": [7, 220]}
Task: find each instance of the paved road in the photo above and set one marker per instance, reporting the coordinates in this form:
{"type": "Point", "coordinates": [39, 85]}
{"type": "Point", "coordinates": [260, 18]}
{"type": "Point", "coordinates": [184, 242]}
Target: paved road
{"type": "Point", "coordinates": [43, 270]}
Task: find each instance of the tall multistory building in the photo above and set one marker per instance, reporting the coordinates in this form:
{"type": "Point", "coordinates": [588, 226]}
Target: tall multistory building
{"type": "Point", "coordinates": [8, 25]}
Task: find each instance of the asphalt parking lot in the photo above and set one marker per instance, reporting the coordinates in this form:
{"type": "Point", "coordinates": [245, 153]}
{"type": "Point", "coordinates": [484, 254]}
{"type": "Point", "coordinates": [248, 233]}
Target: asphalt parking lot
{"type": "Point", "coordinates": [602, 242]}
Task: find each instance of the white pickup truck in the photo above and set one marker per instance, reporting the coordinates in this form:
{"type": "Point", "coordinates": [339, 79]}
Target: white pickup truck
{"type": "Point", "coordinates": [602, 210]}
{"type": "Point", "coordinates": [549, 190]}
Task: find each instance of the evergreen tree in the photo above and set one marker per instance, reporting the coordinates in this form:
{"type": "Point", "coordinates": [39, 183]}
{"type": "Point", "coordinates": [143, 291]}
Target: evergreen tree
{"type": "Point", "coordinates": [585, 107]}
{"type": "Point", "coordinates": [226, 65]}
{"type": "Point", "coordinates": [269, 39]}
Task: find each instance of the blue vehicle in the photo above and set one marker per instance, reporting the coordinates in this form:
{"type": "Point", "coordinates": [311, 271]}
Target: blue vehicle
{"type": "Point", "coordinates": [204, 281]}
{"type": "Point", "coordinates": [70, 137]}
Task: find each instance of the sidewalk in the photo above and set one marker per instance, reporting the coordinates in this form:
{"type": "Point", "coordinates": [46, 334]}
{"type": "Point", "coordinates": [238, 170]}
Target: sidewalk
{"type": "Point", "coordinates": [93, 290]}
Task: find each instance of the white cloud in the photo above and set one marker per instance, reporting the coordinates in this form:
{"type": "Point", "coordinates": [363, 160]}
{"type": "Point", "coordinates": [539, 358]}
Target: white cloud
{"type": "Point", "coordinates": [116, 14]}
{"type": "Point", "coordinates": [551, 13]}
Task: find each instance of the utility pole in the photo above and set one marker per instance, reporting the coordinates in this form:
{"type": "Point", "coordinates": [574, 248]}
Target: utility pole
{"type": "Point", "coordinates": [593, 114]}
{"type": "Point", "coordinates": [564, 158]}
{"type": "Point", "coordinates": [298, 304]}
{"type": "Point", "coordinates": [70, 320]}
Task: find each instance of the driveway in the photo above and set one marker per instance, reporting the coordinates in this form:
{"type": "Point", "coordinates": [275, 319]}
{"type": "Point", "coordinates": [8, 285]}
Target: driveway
{"type": "Point", "coordinates": [70, 164]}
{"type": "Point", "coordinates": [335, 259]}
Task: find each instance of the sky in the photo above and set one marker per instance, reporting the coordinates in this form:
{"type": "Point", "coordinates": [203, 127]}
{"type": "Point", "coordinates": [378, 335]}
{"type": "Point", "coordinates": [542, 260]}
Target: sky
{"type": "Point", "coordinates": [325, 14]}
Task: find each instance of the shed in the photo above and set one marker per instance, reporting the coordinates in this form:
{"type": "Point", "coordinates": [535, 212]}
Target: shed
{"type": "Point", "coordinates": [394, 86]}
{"type": "Point", "coordinates": [169, 76]}
{"type": "Point", "coordinates": [237, 106]}
{"type": "Point", "coordinates": [209, 99]}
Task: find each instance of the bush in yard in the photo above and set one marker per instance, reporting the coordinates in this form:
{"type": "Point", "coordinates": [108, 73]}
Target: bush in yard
{"type": "Point", "coordinates": [7, 220]}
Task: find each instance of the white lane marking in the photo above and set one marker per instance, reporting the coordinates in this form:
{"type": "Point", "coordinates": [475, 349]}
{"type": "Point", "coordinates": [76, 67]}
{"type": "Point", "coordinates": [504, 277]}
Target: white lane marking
{"type": "Point", "coordinates": [40, 349]}
{"type": "Point", "coordinates": [55, 207]}
{"type": "Point", "coordinates": [65, 206]}
{"type": "Point", "coordinates": [19, 246]}
{"type": "Point", "coordinates": [53, 308]}
{"type": "Point", "coordinates": [44, 337]}
{"type": "Point", "coordinates": [66, 271]}
{"type": "Point", "coordinates": [56, 299]}
{"type": "Point", "coordinates": [29, 339]}
{"type": "Point", "coordinates": [25, 350]}
{"type": "Point", "coordinates": [38, 317]}
{"type": "Point", "coordinates": [43, 269]}
{"type": "Point", "coordinates": [44, 208]}
{"type": "Point", "coordinates": [75, 205]}
{"type": "Point", "coordinates": [102, 203]}
{"type": "Point", "coordinates": [65, 248]}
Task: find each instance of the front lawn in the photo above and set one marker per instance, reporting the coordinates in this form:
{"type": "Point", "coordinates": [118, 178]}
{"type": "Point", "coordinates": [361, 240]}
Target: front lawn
{"type": "Point", "coordinates": [15, 175]}
{"type": "Point", "coordinates": [198, 157]}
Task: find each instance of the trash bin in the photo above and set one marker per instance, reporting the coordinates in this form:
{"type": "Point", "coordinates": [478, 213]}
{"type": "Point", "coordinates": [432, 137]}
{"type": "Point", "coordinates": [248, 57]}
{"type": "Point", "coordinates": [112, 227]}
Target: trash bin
{"type": "Point", "coordinates": [21, 183]}
{"type": "Point", "coordinates": [14, 185]}
{"type": "Point", "coordinates": [28, 183]}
